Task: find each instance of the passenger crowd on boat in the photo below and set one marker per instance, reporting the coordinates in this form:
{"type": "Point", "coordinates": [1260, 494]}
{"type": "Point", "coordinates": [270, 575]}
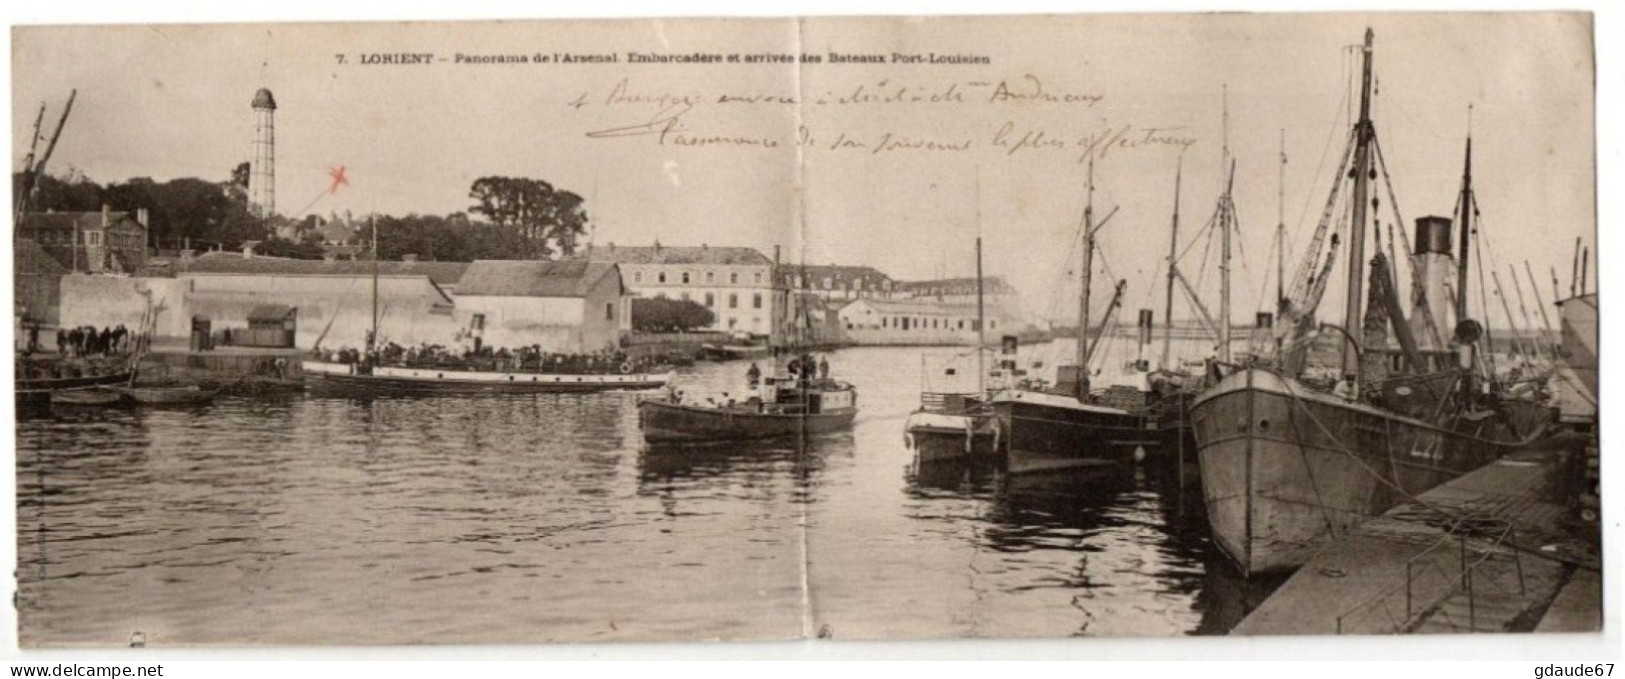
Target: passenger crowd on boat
{"type": "Point", "coordinates": [531, 359]}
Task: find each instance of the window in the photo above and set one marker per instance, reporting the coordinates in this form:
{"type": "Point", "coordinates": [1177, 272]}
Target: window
{"type": "Point", "coordinates": [758, 278]}
{"type": "Point", "coordinates": [686, 297]}
{"type": "Point", "coordinates": [685, 278]}
{"type": "Point", "coordinates": [733, 302]}
{"type": "Point", "coordinates": [478, 322]}
{"type": "Point", "coordinates": [609, 311]}
{"type": "Point", "coordinates": [710, 300]}
{"type": "Point", "coordinates": [756, 303]}
{"type": "Point", "coordinates": [994, 325]}
{"type": "Point", "coordinates": [710, 277]}
{"type": "Point", "coordinates": [637, 277]}
{"type": "Point", "coordinates": [859, 284]}
{"type": "Point", "coordinates": [662, 277]}
{"type": "Point", "coordinates": [798, 280]}
{"type": "Point", "coordinates": [733, 278]}
{"type": "Point", "coordinates": [828, 283]}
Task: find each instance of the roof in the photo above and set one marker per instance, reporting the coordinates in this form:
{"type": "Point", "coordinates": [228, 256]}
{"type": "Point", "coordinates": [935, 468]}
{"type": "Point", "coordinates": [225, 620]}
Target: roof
{"type": "Point", "coordinates": [263, 99]}
{"type": "Point", "coordinates": [815, 274]}
{"type": "Point", "coordinates": [337, 231]}
{"type": "Point", "coordinates": [992, 285]}
{"type": "Point", "coordinates": [531, 278]}
{"type": "Point", "coordinates": [67, 220]}
{"type": "Point", "coordinates": [441, 273]}
{"type": "Point", "coordinates": [270, 312]}
{"type": "Point", "coordinates": [30, 259]}
{"type": "Point", "coordinates": [668, 254]}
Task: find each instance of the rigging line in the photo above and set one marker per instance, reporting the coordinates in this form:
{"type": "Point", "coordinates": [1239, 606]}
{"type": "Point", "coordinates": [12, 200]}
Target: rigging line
{"type": "Point", "coordinates": [1241, 245]}
{"type": "Point", "coordinates": [1195, 238]}
{"type": "Point", "coordinates": [1061, 269]}
{"type": "Point", "coordinates": [1410, 254]}
{"type": "Point", "coordinates": [1338, 123]}
{"type": "Point", "coordinates": [1264, 287]}
{"type": "Point", "coordinates": [1207, 250]}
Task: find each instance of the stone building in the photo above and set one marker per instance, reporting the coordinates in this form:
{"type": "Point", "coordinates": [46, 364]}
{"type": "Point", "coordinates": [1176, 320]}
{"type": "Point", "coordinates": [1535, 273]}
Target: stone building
{"type": "Point", "coordinates": [735, 283]}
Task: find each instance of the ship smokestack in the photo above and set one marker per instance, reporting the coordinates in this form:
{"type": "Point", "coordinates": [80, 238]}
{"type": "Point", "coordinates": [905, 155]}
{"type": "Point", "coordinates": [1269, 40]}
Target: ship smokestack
{"type": "Point", "coordinates": [1435, 272]}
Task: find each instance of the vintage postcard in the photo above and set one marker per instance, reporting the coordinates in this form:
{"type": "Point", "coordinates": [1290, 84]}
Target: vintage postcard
{"type": "Point", "coordinates": [845, 328]}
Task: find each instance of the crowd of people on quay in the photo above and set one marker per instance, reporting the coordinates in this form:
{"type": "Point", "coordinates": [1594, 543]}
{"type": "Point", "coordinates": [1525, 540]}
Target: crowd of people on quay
{"type": "Point", "coordinates": [531, 359]}
{"type": "Point", "coordinates": [83, 341]}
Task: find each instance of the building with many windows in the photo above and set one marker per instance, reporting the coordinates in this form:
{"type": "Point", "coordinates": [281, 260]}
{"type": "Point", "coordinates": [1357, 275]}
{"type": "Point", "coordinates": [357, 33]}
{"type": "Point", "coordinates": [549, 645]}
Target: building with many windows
{"type": "Point", "coordinates": [91, 242]}
{"type": "Point", "coordinates": [834, 283]}
{"type": "Point", "coordinates": [735, 283]}
{"type": "Point", "coordinates": [921, 322]}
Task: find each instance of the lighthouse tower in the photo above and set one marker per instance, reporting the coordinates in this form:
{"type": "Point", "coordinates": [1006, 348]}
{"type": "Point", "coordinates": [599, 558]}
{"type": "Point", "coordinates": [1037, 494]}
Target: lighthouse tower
{"type": "Point", "coordinates": [262, 174]}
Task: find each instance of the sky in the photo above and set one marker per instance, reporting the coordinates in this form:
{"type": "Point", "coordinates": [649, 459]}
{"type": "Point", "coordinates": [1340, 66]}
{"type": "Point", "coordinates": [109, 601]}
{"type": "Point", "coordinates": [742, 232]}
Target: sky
{"type": "Point", "coordinates": [899, 166]}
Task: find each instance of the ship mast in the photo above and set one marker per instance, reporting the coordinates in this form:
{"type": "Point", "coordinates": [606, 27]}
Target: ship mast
{"type": "Point", "coordinates": [1224, 268]}
{"type": "Point", "coordinates": [1229, 164]}
{"type": "Point", "coordinates": [1364, 132]}
{"type": "Point", "coordinates": [372, 337]}
{"type": "Point", "coordinates": [33, 173]}
{"type": "Point", "coordinates": [1173, 253]}
{"type": "Point", "coordinates": [1083, 296]}
{"type": "Point", "coordinates": [981, 320]}
{"type": "Point", "coordinates": [1280, 229]}
{"type": "Point", "coordinates": [1466, 209]}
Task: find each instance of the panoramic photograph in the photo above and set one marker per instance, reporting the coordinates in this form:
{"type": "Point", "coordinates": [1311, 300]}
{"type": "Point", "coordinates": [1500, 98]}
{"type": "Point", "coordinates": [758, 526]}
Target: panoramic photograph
{"type": "Point", "coordinates": [995, 327]}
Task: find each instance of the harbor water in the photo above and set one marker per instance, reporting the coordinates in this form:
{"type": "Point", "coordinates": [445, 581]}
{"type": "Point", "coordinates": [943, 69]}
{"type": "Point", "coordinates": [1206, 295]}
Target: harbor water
{"type": "Point", "coordinates": [543, 518]}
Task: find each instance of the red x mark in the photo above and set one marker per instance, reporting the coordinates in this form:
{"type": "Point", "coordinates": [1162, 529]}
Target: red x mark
{"type": "Point", "coordinates": [339, 179]}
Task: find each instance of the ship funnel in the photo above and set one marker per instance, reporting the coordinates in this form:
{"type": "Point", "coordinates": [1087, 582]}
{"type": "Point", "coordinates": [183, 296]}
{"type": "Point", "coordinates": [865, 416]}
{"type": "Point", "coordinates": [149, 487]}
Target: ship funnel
{"type": "Point", "coordinates": [1433, 235]}
{"type": "Point", "coordinates": [1435, 269]}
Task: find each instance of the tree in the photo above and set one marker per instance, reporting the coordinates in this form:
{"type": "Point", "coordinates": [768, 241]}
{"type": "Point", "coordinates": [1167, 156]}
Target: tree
{"type": "Point", "coordinates": [238, 186]}
{"type": "Point", "coordinates": [72, 194]}
{"type": "Point", "coordinates": [659, 314]}
{"type": "Point", "coordinates": [543, 217]}
{"type": "Point", "coordinates": [308, 247]}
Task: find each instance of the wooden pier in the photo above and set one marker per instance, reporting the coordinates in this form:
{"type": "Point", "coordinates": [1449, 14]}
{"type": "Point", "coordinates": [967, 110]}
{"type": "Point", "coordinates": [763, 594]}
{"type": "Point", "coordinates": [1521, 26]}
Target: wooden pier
{"type": "Point", "coordinates": [1496, 550]}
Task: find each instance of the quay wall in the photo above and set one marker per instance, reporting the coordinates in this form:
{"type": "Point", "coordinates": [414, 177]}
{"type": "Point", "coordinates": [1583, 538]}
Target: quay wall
{"type": "Point", "coordinates": [107, 301]}
{"type": "Point", "coordinates": [337, 310]}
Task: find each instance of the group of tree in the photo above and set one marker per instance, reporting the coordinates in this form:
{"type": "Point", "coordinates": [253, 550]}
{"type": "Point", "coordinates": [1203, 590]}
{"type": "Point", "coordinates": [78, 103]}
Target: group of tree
{"type": "Point", "coordinates": [518, 218]}
{"type": "Point", "coordinates": [659, 314]}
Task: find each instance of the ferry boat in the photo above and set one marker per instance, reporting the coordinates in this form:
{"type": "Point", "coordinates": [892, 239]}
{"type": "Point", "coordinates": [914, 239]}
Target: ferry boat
{"type": "Point", "coordinates": [404, 381]}
{"type": "Point", "coordinates": [783, 406]}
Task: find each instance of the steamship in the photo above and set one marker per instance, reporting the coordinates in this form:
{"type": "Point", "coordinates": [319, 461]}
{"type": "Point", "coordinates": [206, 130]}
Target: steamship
{"type": "Point", "coordinates": [1286, 465]}
{"type": "Point", "coordinates": [1066, 427]}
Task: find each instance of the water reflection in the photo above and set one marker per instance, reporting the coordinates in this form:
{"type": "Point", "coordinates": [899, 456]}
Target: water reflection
{"type": "Point", "coordinates": [1113, 528]}
{"type": "Point", "coordinates": [531, 518]}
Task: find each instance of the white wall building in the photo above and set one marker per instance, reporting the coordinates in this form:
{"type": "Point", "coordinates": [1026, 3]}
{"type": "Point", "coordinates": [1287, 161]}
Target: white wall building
{"type": "Point", "coordinates": [565, 307]}
{"type": "Point", "coordinates": [333, 299]}
{"type": "Point", "coordinates": [920, 322]}
{"type": "Point", "coordinates": [735, 283]}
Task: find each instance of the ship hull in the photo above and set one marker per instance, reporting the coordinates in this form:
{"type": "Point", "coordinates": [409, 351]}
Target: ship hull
{"type": "Point", "coordinates": [1046, 432]}
{"type": "Point", "coordinates": [675, 423]}
{"type": "Point", "coordinates": [340, 378]}
{"type": "Point", "coordinates": [943, 436]}
{"type": "Point", "coordinates": [1285, 468]}
{"type": "Point", "coordinates": [33, 394]}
